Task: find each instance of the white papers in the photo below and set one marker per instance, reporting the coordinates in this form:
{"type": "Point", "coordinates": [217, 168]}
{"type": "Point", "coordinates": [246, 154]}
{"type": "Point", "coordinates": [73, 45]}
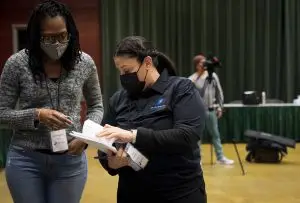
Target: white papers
{"type": "Point", "coordinates": [90, 128]}
{"type": "Point", "coordinates": [89, 136]}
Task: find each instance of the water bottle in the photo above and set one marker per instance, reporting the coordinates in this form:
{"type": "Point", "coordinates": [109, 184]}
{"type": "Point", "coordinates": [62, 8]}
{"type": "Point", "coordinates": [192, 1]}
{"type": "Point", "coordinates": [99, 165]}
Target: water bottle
{"type": "Point", "coordinates": [263, 97]}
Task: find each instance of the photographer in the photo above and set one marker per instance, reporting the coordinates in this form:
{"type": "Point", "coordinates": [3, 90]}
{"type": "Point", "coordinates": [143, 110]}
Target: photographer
{"type": "Point", "coordinates": [211, 91]}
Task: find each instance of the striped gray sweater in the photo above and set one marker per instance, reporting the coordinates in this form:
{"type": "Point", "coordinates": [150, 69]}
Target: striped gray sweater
{"type": "Point", "coordinates": [17, 85]}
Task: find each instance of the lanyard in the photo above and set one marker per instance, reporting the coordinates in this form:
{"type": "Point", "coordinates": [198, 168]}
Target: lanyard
{"type": "Point", "coordinates": [58, 93]}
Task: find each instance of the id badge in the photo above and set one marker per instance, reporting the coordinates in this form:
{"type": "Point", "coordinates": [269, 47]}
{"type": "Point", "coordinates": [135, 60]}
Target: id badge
{"type": "Point", "coordinates": [59, 141]}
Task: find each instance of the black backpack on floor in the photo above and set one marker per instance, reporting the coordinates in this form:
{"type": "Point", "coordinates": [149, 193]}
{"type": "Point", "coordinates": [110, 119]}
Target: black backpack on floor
{"type": "Point", "coordinates": [265, 151]}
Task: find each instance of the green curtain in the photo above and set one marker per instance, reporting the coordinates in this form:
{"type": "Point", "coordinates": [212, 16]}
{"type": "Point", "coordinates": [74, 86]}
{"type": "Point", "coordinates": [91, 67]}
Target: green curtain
{"type": "Point", "coordinates": [256, 40]}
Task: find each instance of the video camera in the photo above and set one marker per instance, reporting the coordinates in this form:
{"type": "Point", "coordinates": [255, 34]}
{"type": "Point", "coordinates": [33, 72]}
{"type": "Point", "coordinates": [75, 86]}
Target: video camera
{"type": "Point", "coordinates": [210, 64]}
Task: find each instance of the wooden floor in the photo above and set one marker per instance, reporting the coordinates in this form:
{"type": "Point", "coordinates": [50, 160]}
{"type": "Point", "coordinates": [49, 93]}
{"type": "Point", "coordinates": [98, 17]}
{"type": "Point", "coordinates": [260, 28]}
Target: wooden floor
{"type": "Point", "coordinates": [263, 183]}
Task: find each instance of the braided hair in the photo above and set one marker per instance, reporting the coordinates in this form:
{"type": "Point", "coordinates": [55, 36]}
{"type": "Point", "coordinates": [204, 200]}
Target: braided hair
{"type": "Point", "coordinates": [138, 47]}
{"type": "Point", "coordinates": [51, 8]}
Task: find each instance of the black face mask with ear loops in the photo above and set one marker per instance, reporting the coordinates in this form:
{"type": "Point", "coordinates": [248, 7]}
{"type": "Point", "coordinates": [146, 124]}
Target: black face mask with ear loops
{"type": "Point", "coordinates": [131, 83]}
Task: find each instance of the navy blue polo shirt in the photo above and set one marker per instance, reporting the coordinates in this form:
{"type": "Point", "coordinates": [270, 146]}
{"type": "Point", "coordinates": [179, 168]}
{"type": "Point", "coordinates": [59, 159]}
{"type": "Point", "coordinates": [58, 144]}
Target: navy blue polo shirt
{"type": "Point", "coordinates": [169, 118]}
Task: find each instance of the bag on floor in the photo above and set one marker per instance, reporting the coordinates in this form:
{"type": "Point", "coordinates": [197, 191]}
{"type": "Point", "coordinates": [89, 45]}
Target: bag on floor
{"type": "Point", "coordinates": [265, 151]}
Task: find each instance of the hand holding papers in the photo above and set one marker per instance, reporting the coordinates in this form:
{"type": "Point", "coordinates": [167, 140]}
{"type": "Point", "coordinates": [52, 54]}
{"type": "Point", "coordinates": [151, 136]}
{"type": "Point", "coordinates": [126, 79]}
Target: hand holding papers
{"type": "Point", "coordinates": [117, 134]}
{"type": "Point", "coordinates": [137, 160]}
{"type": "Point", "coordinates": [103, 138]}
{"type": "Point", "coordinates": [89, 136]}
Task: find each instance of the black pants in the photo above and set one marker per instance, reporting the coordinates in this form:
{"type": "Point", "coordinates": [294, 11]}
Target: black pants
{"type": "Point", "coordinates": [131, 190]}
{"type": "Point", "coordinates": [197, 196]}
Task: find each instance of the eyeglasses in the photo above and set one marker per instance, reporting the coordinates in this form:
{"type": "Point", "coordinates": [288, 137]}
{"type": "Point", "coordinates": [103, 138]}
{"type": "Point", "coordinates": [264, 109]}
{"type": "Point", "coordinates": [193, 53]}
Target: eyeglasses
{"type": "Point", "coordinates": [52, 39]}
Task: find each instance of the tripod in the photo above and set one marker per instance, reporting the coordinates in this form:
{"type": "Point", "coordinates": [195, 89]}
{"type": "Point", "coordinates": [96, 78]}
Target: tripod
{"type": "Point", "coordinates": [208, 83]}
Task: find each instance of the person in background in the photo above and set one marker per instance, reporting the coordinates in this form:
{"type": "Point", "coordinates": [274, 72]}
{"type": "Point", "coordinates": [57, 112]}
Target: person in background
{"type": "Point", "coordinates": [47, 79]}
{"type": "Point", "coordinates": [212, 93]}
{"type": "Point", "coordinates": [155, 112]}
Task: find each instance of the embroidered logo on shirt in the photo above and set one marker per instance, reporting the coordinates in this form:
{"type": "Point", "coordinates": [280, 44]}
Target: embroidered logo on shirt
{"type": "Point", "coordinates": [159, 104]}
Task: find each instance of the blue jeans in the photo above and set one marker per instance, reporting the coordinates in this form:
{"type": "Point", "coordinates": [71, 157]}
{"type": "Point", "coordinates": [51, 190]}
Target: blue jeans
{"type": "Point", "coordinates": [43, 178]}
{"type": "Point", "coordinates": [211, 125]}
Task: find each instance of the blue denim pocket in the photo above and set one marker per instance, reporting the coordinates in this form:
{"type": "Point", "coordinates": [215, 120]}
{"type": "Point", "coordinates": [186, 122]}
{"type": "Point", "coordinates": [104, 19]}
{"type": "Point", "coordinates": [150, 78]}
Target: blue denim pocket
{"type": "Point", "coordinates": [17, 156]}
{"type": "Point", "coordinates": [69, 165]}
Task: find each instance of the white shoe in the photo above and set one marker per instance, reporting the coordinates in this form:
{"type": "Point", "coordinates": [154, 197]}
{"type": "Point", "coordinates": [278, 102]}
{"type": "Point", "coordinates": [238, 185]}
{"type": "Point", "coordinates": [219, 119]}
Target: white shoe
{"type": "Point", "coordinates": [225, 161]}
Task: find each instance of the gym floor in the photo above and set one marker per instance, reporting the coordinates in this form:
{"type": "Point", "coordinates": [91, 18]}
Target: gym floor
{"type": "Point", "coordinates": [263, 183]}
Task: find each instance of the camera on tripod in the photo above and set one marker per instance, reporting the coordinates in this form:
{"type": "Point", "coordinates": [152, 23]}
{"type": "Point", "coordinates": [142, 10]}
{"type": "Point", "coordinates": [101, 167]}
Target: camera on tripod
{"type": "Point", "coordinates": [210, 64]}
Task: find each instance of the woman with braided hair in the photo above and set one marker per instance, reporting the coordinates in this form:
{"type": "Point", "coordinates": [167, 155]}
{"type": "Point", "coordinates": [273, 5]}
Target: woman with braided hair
{"type": "Point", "coordinates": [45, 164]}
{"type": "Point", "coordinates": [154, 113]}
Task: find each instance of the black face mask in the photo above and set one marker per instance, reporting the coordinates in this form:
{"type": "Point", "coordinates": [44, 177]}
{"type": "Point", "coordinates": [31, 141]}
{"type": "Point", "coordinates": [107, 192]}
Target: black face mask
{"type": "Point", "coordinates": [131, 83]}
